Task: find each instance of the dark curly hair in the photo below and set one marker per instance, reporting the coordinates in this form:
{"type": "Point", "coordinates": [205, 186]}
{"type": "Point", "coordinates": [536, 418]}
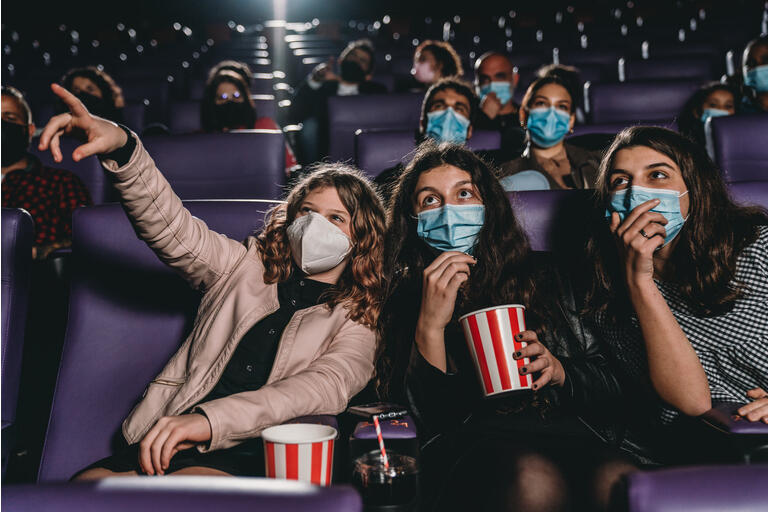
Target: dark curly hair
{"type": "Point", "coordinates": [110, 91]}
{"type": "Point", "coordinates": [454, 84]}
{"type": "Point", "coordinates": [361, 284]}
{"type": "Point", "coordinates": [703, 261]}
{"type": "Point", "coordinates": [503, 273]}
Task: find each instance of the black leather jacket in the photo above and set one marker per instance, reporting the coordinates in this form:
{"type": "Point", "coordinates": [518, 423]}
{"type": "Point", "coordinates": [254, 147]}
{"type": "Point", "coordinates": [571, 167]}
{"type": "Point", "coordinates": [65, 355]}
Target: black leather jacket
{"type": "Point", "coordinates": [443, 402]}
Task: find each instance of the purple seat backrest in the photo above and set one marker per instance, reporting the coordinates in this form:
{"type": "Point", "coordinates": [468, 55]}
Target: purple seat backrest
{"type": "Point", "coordinates": [750, 192]}
{"type": "Point", "coordinates": [245, 164]}
{"type": "Point", "coordinates": [89, 170]}
{"type": "Point", "coordinates": [265, 105]}
{"type": "Point", "coordinates": [637, 101]}
{"type": "Point", "coordinates": [18, 233]}
{"type": "Point", "coordinates": [699, 488]}
{"type": "Point", "coordinates": [347, 114]}
{"type": "Point", "coordinates": [378, 150]}
{"type": "Point", "coordinates": [741, 146]}
{"type": "Point", "coordinates": [184, 117]}
{"type": "Point", "coordinates": [183, 494]}
{"type": "Point", "coordinates": [584, 129]}
{"type": "Point", "coordinates": [689, 68]}
{"type": "Point", "coordinates": [134, 114]}
{"type": "Point", "coordinates": [128, 313]}
{"type": "Point", "coordinates": [484, 140]}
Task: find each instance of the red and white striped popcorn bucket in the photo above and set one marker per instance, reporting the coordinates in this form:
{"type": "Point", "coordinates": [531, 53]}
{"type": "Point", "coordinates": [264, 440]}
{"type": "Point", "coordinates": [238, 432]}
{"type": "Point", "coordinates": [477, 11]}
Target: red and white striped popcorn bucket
{"type": "Point", "coordinates": [490, 335]}
{"type": "Point", "coordinates": [299, 451]}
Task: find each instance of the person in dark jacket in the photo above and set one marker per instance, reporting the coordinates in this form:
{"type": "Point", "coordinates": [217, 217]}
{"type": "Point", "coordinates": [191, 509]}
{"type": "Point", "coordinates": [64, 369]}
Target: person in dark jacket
{"type": "Point", "coordinates": [527, 451]}
{"type": "Point", "coordinates": [548, 113]}
{"type": "Point", "coordinates": [309, 104]}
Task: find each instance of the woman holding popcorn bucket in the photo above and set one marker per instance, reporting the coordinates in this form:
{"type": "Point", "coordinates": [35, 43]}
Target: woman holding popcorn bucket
{"type": "Point", "coordinates": [487, 348]}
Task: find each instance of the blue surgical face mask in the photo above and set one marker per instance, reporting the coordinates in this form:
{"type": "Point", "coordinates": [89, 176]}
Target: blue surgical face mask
{"type": "Point", "coordinates": [447, 126]}
{"type": "Point", "coordinates": [624, 201]}
{"type": "Point", "coordinates": [548, 126]}
{"type": "Point", "coordinates": [451, 227]}
{"type": "Point", "coordinates": [713, 112]}
{"type": "Point", "coordinates": [757, 78]}
{"type": "Point", "coordinates": [503, 91]}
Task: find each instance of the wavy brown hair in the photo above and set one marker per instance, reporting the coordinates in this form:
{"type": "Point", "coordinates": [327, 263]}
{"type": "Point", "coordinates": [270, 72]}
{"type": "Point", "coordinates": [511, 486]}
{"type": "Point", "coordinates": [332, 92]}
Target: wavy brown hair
{"type": "Point", "coordinates": [360, 285]}
{"type": "Point", "coordinates": [703, 261]}
{"type": "Point", "coordinates": [503, 273]}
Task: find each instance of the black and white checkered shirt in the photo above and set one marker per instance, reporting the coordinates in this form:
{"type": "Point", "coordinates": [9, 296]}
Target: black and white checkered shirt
{"type": "Point", "coordinates": [732, 348]}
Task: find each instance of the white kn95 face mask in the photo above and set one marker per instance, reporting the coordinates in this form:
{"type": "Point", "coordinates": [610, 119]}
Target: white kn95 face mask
{"type": "Point", "coordinates": [317, 244]}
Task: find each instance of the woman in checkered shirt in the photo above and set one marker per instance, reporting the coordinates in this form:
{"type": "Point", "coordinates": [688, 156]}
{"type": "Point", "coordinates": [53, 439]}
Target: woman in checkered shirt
{"type": "Point", "coordinates": [680, 284]}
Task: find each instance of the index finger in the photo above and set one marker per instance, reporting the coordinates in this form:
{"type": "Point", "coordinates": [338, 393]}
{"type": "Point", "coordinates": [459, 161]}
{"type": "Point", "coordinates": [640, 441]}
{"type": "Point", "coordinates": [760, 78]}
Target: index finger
{"type": "Point", "coordinates": [639, 210]}
{"type": "Point", "coordinates": [70, 100]}
{"type": "Point", "coordinates": [449, 255]}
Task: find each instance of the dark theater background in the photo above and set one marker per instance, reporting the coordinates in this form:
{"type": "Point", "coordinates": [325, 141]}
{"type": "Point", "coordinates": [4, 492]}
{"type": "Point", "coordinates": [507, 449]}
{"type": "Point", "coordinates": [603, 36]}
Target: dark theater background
{"type": "Point", "coordinates": [90, 315]}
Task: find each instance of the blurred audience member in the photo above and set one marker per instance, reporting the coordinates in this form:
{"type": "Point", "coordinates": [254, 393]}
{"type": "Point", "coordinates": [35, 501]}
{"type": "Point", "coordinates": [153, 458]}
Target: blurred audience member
{"type": "Point", "coordinates": [495, 82]}
{"type": "Point", "coordinates": [711, 100]}
{"type": "Point", "coordinates": [241, 68]}
{"type": "Point", "coordinates": [754, 66]}
{"type": "Point", "coordinates": [310, 102]}
{"type": "Point", "coordinates": [49, 195]}
{"type": "Point", "coordinates": [434, 60]}
{"type": "Point", "coordinates": [227, 105]}
{"type": "Point", "coordinates": [548, 114]}
{"type": "Point", "coordinates": [97, 90]}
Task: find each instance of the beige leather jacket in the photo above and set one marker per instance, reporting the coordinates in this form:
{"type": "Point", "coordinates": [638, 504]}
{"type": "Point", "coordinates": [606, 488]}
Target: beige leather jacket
{"type": "Point", "coordinates": [323, 358]}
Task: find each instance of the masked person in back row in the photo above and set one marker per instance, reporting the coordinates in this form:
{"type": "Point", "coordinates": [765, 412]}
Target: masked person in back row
{"type": "Point", "coordinates": [714, 99]}
{"type": "Point", "coordinates": [434, 60]}
{"type": "Point", "coordinates": [679, 290]}
{"type": "Point", "coordinates": [309, 105]}
{"type": "Point", "coordinates": [286, 325]}
{"type": "Point", "coordinates": [548, 115]}
{"type": "Point", "coordinates": [97, 90]}
{"type": "Point", "coordinates": [754, 67]}
{"type": "Point", "coordinates": [227, 105]}
{"type": "Point", "coordinates": [495, 83]}
{"type": "Point", "coordinates": [447, 115]}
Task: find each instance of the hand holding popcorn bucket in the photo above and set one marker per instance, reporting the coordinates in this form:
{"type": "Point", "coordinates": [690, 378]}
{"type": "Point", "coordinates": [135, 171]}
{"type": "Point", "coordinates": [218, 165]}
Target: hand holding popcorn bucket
{"type": "Point", "coordinates": [299, 451]}
{"type": "Point", "coordinates": [490, 336]}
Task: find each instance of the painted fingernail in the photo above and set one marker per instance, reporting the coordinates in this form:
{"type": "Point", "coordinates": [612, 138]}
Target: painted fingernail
{"type": "Point", "coordinates": [519, 336]}
{"type": "Point", "coordinates": [523, 370]}
{"type": "Point", "coordinates": [518, 353]}
{"type": "Point", "coordinates": [535, 386]}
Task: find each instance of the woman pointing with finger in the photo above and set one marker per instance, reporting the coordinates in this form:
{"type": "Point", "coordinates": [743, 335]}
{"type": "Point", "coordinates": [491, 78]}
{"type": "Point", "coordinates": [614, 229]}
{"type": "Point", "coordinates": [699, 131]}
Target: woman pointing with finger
{"type": "Point", "coordinates": [286, 324]}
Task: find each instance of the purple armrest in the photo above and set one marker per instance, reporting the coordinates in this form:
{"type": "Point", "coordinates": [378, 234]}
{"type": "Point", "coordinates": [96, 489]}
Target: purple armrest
{"type": "Point", "coordinates": [723, 417]}
{"type": "Point", "coordinates": [320, 419]}
{"type": "Point", "coordinates": [400, 428]}
{"type": "Point", "coordinates": [699, 488]}
{"type": "Point", "coordinates": [181, 493]}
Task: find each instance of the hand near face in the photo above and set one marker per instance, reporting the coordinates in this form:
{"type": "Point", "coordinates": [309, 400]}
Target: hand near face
{"type": "Point", "coordinates": [170, 435]}
{"type": "Point", "coordinates": [638, 236]}
{"type": "Point", "coordinates": [442, 280]}
{"type": "Point", "coordinates": [491, 105]}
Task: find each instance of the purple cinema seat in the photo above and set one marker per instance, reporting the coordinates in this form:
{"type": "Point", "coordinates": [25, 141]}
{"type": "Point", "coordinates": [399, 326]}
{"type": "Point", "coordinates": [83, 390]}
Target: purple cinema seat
{"type": "Point", "coordinates": [616, 127]}
{"type": "Point", "coordinates": [636, 101]}
{"type": "Point", "coordinates": [184, 117]}
{"type": "Point", "coordinates": [265, 105]}
{"type": "Point", "coordinates": [244, 164]}
{"type": "Point", "coordinates": [750, 192]}
{"type": "Point", "coordinates": [89, 170]}
{"type": "Point", "coordinates": [134, 115]}
{"type": "Point", "coordinates": [484, 140]}
{"type": "Point", "coordinates": [740, 146]}
{"type": "Point", "coordinates": [699, 488]}
{"type": "Point", "coordinates": [378, 150]}
{"type": "Point", "coordinates": [128, 313]}
{"type": "Point", "coordinates": [347, 114]}
{"type": "Point", "coordinates": [18, 233]}
{"type": "Point", "coordinates": [181, 494]}
{"type": "Point", "coordinates": [693, 68]}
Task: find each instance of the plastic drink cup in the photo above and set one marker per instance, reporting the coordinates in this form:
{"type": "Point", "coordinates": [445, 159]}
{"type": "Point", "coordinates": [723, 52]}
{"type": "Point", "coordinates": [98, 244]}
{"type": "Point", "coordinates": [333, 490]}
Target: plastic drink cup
{"type": "Point", "coordinates": [490, 336]}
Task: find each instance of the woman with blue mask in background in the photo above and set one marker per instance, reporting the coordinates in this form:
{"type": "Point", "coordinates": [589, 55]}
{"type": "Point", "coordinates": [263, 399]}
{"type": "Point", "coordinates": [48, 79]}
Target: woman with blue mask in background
{"type": "Point", "coordinates": [453, 245]}
{"type": "Point", "coordinates": [714, 99]}
{"type": "Point", "coordinates": [679, 288]}
{"type": "Point", "coordinates": [548, 114]}
{"type": "Point", "coordinates": [754, 66]}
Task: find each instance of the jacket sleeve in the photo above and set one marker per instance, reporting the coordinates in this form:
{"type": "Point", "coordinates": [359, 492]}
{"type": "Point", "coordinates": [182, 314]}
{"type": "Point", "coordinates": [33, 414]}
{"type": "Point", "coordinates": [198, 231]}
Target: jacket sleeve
{"type": "Point", "coordinates": [179, 239]}
{"type": "Point", "coordinates": [323, 387]}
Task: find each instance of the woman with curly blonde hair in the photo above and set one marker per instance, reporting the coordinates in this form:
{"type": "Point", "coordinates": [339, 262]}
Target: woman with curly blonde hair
{"type": "Point", "coordinates": [286, 323]}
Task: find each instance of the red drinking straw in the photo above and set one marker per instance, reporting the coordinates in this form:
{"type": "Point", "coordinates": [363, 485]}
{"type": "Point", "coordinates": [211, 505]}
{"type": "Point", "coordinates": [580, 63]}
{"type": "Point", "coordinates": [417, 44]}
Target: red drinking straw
{"type": "Point", "coordinates": [381, 441]}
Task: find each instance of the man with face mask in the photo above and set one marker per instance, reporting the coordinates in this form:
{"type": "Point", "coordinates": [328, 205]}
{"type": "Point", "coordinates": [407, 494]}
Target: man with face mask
{"type": "Point", "coordinates": [495, 82]}
{"type": "Point", "coordinates": [49, 195]}
{"type": "Point", "coordinates": [309, 104]}
{"type": "Point", "coordinates": [755, 72]}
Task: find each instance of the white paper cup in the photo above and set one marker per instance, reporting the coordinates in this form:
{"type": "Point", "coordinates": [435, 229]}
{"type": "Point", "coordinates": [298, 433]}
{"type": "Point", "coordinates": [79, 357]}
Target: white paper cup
{"type": "Point", "coordinates": [299, 451]}
{"type": "Point", "coordinates": [490, 336]}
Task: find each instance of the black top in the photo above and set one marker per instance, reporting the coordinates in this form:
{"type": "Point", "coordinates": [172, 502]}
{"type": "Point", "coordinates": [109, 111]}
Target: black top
{"type": "Point", "coordinates": [512, 134]}
{"type": "Point", "coordinates": [251, 363]}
